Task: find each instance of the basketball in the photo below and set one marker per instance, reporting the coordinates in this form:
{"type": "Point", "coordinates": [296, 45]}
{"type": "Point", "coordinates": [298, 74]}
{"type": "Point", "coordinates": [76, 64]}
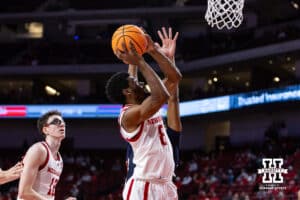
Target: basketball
{"type": "Point", "coordinates": [127, 33]}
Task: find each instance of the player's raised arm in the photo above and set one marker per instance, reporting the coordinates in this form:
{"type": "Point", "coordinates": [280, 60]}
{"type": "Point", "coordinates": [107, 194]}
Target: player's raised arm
{"type": "Point", "coordinates": [168, 48]}
{"type": "Point", "coordinates": [173, 112]}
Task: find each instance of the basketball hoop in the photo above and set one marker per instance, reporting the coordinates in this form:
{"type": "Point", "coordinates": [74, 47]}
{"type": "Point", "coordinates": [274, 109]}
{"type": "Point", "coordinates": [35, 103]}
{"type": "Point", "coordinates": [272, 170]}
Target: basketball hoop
{"type": "Point", "coordinates": [224, 13]}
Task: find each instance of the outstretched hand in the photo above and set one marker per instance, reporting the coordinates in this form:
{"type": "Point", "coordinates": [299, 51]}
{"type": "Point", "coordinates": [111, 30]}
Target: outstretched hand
{"type": "Point", "coordinates": [168, 46]}
{"type": "Point", "coordinates": [16, 170]}
{"type": "Point", "coordinates": [12, 173]}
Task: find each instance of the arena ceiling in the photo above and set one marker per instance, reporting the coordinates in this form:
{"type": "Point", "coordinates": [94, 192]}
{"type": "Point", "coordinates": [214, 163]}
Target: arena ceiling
{"type": "Point", "coordinates": [262, 18]}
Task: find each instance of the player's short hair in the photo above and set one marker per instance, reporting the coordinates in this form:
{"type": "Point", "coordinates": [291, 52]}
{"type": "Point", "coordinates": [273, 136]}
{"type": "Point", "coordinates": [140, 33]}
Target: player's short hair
{"type": "Point", "coordinates": [114, 87]}
{"type": "Point", "coordinates": [42, 121]}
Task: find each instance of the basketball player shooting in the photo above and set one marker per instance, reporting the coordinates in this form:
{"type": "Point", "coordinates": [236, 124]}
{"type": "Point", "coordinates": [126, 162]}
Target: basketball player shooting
{"type": "Point", "coordinates": [174, 126]}
{"type": "Point", "coordinates": [142, 126]}
{"type": "Point", "coordinates": [43, 163]}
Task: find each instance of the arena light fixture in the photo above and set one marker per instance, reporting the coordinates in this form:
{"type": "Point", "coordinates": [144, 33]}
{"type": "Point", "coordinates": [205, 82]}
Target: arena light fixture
{"type": "Point", "coordinates": [276, 79]}
{"type": "Point", "coordinates": [35, 29]}
{"type": "Point", "coordinates": [295, 5]}
{"type": "Point", "coordinates": [51, 91]}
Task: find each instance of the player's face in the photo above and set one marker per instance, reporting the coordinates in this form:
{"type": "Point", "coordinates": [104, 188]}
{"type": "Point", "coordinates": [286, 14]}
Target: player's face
{"type": "Point", "coordinates": [56, 126]}
{"type": "Point", "coordinates": [138, 88]}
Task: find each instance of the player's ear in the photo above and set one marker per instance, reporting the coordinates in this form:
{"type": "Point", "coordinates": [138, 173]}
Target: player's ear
{"type": "Point", "coordinates": [126, 91]}
{"type": "Point", "coordinates": [45, 129]}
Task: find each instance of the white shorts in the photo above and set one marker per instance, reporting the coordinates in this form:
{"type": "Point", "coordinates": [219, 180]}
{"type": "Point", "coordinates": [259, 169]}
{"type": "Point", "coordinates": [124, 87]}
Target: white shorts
{"type": "Point", "coordinates": [136, 189]}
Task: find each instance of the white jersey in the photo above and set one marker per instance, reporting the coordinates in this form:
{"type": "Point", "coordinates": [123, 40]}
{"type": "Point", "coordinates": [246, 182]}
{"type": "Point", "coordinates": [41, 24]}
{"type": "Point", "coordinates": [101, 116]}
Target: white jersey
{"type": "Point", "coordinates": [48, 175]}
{"type": "Point", "coordinates": [152, 149]}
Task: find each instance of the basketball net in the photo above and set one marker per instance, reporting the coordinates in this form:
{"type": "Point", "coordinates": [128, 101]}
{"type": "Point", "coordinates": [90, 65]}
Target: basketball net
{"type": "Point", "coordinates": [224, 13]}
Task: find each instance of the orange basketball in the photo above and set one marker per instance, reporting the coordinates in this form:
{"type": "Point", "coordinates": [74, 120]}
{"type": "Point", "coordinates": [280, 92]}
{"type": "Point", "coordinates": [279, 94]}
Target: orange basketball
{"type": "Point", "coordinates": [127, 33]}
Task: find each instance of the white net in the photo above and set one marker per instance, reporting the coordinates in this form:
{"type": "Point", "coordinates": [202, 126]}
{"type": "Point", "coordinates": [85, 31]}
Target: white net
{"type": "Point", "coordinates": [224, 13]}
